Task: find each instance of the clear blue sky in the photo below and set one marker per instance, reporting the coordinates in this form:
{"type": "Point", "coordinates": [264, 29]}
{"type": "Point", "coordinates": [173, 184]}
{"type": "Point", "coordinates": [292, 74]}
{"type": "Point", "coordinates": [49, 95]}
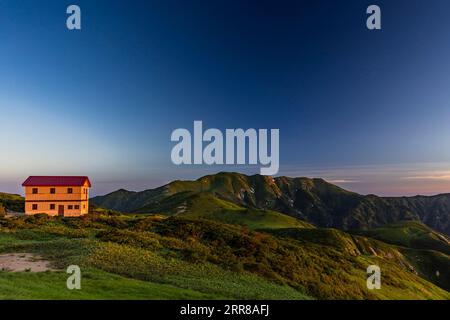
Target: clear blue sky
{"type": "Point", "coordinates": [368, 110]}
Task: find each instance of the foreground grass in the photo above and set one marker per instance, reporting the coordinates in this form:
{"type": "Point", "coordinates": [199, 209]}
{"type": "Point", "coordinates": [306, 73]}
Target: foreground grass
{"type": "Point", "coordinates": [95, 285]}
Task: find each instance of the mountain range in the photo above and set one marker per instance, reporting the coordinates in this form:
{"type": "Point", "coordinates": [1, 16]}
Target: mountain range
{"type": "Point", "coordinates": [262, 201]}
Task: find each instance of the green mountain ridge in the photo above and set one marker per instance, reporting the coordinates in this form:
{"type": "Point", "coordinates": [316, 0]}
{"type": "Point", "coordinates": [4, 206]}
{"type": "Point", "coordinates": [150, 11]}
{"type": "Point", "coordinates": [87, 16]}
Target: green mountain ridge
{"type": "Point", "coordinates": [312, 200]}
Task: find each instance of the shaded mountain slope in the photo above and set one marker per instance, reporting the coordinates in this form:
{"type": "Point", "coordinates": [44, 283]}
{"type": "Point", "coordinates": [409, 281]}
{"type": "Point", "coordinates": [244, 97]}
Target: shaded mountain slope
{"type": "Point", "coordinates": [428, 264]}
{"type": "Point", "coordinates": [412, 234]}
{"type": "Point", "coordinates": [432, 210]}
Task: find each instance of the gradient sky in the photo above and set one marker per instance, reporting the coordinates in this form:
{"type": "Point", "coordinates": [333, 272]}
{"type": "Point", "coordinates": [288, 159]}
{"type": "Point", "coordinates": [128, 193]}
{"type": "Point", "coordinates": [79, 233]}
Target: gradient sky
{"type": "Point", "coordinates": [367, 110]}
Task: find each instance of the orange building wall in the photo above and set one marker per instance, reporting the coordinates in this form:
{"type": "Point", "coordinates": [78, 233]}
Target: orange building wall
{"type": "Point", "coordinates": [43, 199]}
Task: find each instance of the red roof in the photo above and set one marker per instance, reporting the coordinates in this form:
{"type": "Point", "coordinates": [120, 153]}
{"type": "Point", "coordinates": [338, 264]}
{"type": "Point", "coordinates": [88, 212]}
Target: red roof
{"type": "Point", "coordinates": [57, 181]}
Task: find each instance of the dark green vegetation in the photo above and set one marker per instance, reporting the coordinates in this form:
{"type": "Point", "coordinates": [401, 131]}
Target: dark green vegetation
{"type": "Point", "coordinates": [313, 200]}
{"type": "Point", "coordinates": [11, 202]}
{"type": "Point", "coordinates": [140, 257]}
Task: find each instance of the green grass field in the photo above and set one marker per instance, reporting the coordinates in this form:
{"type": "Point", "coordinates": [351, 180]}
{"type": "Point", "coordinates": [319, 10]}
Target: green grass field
{"type": "Point", "coordinates": [96, 284]}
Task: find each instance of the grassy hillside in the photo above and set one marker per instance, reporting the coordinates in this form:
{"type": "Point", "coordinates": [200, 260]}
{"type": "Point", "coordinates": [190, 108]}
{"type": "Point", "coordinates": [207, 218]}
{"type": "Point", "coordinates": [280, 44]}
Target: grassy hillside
{"type": "Point", "coordinates": [178, 257]}
{"type": "Point", "coordinates": [205, 205]}
{"type": "Point", "coordinates": [424, 263]}
{"type": "Point", "coordinates": [430, 265]}
{"type": "Point", "coordinates": [96, 285]}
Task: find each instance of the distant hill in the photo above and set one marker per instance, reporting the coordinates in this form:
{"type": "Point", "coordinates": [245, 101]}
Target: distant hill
{"type": "Point", "coordinates": [313, 200]}
{"type": "Point", "coordinates": [412, 234]}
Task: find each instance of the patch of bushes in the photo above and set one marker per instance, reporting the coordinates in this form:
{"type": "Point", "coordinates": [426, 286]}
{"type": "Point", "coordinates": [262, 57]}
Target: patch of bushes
{"type": "Point", "coordinates": [141, 240]}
